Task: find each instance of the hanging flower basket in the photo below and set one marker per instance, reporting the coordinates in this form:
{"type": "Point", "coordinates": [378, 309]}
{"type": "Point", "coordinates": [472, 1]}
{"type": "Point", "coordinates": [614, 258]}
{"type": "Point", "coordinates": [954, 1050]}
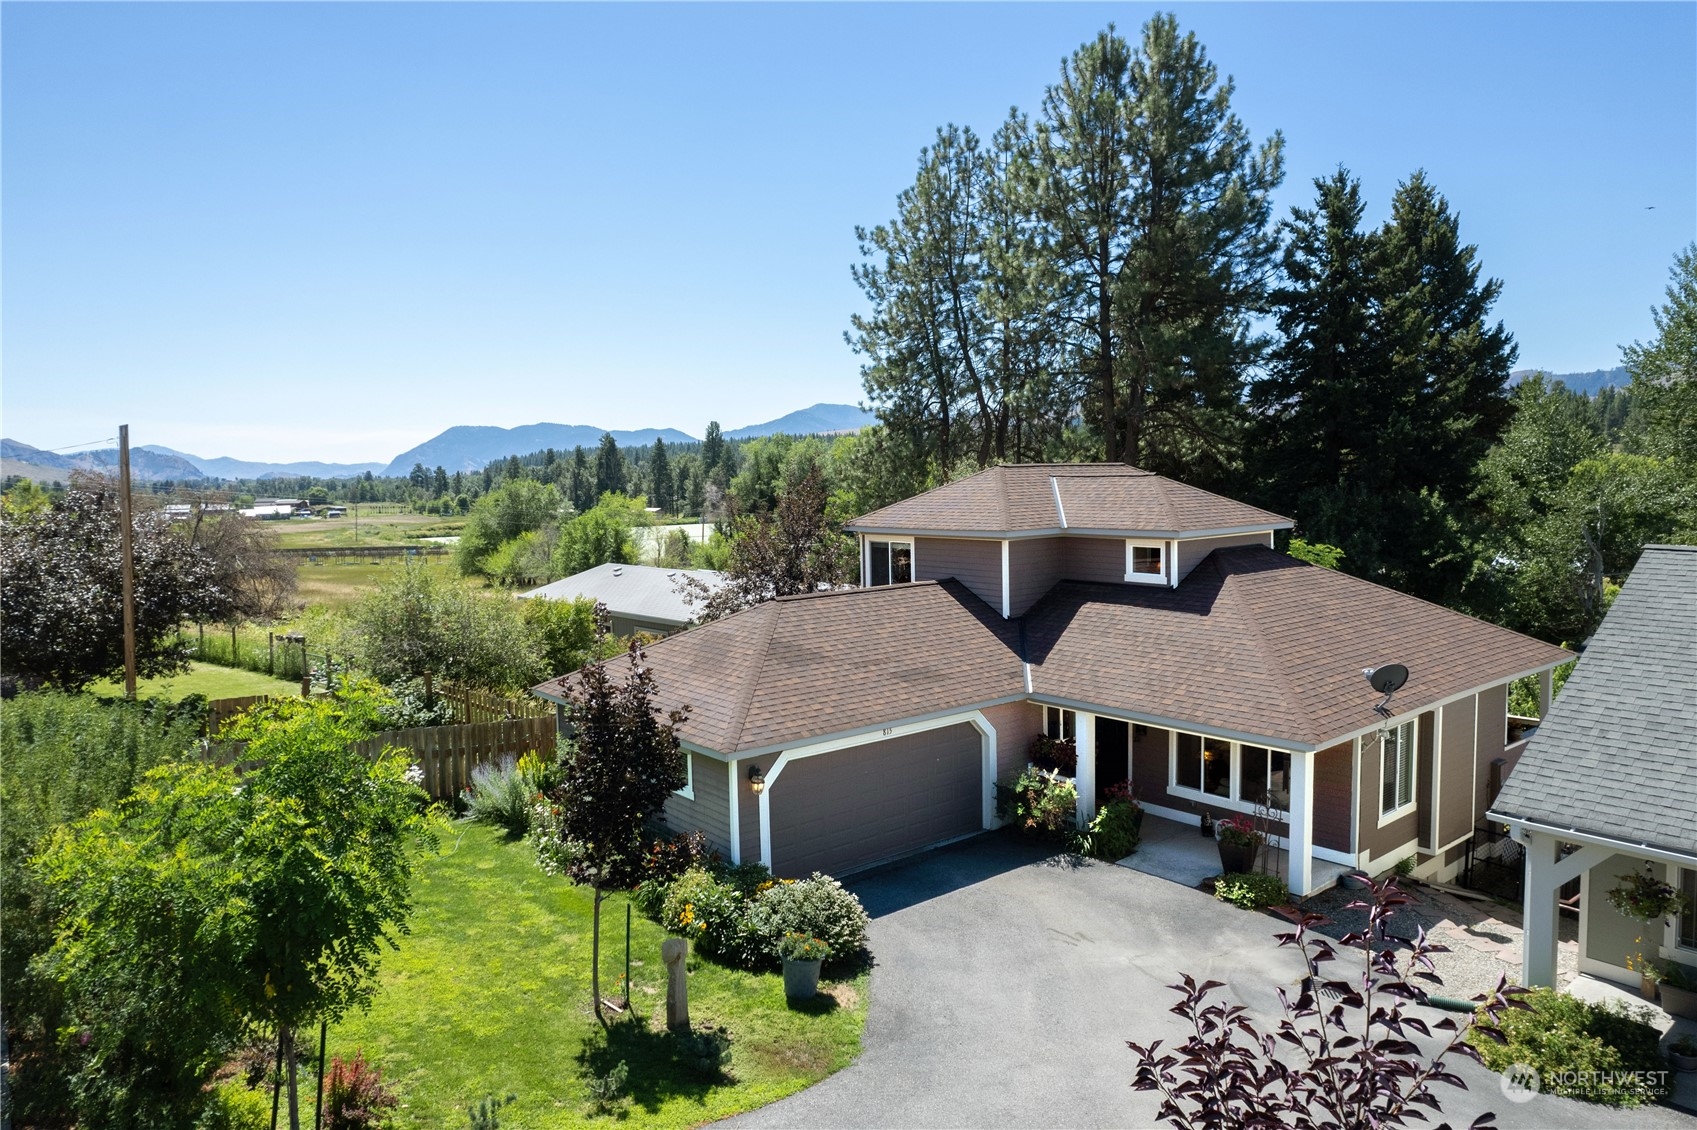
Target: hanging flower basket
{"type": "Point", "coordinates": [1642, 896]}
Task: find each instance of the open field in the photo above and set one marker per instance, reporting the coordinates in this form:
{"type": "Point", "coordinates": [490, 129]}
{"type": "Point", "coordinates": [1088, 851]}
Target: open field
{"type": "Point", "coordinates": [201, 678]}
{"type": "Point", "coordinates": [377, 524]}
{"type": "Point", "coordinates": [339, 581]}
{"type": "Point", "coordinates": [489, 995]}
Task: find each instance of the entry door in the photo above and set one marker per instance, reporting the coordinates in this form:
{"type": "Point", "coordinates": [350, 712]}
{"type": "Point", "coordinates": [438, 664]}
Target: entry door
{"type": "Point", "coordinates": [1113, 754]}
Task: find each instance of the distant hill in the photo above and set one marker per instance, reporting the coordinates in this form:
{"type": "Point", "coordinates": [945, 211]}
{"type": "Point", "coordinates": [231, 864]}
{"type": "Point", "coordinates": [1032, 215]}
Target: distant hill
{"type": "Point", "coordinates": [817, 420]}
{"type": "Point", "coordinates": [1588, 383]}
{"type": "Point", "coordinates": [469, 448]}
{"type": "Point", "coordinates": [145, 466]}
{"type": "Point", "coordinates": [223, 467]}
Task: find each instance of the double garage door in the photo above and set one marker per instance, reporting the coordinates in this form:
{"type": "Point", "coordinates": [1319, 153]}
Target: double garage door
{"type": "Point", "coordinates": [842, 811]}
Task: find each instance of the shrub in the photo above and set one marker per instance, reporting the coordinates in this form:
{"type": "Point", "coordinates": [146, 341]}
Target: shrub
{"type": "Point", "coordinates": [707, 1052]}
{"type": "Point", "coordinates": [667, 858]}
{"type": "Point", "coordinates": [236, 1107]}
{"type": "Point", "coordinates": [1111, 834]}
{"type": "Point", "coordinates": [1610, 1048]}
{"type": "Point", "coordinates": [818, 907]}
{"type": "Point", "coordinates": [1037, 801]}
{"type": "Point", "coordinates": [749, 879]}
{"type": "Point", "coordinates": [354, 1095]}
{"type": "Point", "coordinates": [554, 853]}
{"type": "Point", "coordinates": [606, 1092]}
{"type": "Point", "coordinates": [1059, 755]}
{"type": "Point", "coordinates": [409, 708]}
{"type": "Point", "coordinates": [704, 910]}
{"type": "Point", "coordinates": [1252, 892]}
{"type": "Point", "coordinates": [503, 796]}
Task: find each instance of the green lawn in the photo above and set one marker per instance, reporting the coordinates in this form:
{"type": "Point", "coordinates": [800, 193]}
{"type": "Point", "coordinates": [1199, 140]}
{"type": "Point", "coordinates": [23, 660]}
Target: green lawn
{"type": "Point", "coordinates": [202, 678]}
{"type": "Point", "coordinates": [490, 995]}
{"type": "Point", "coordinates": [392, 527]}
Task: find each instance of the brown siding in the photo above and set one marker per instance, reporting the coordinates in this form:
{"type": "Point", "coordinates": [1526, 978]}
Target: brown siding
{"type": "Point", "coordinates": [855, 807]}
{"type": "Point", "coordinates": [1488, 737]}
{"type": "Point", "coordinates": [1455, 773]}
{"type": "Point", "coordinates": [1371, 839]}
{"type": "Point", "coordinates": [974, 562]}
{"type": "Point", "coordinates": [1425, 777]}
{"type": "Point", "coordinates": [748, 811]}
{"type": "Point", "coordinates": [710, 811]}
{"type": "Point", "coordinates": [1016, 724]}
{"type": "Point", "coordinates": [1334, 773]}
{"type": "Point", "coordinates": [1034, 565]}
{"type": "Point", "coordinates": [1192, 551]}
{"type": "Point", "coordinates": [1095, 559]}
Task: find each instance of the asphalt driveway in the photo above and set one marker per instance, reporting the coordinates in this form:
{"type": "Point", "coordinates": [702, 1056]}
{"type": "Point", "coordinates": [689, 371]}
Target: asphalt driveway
{"type": "Point", "coordinates": [1008, 981]}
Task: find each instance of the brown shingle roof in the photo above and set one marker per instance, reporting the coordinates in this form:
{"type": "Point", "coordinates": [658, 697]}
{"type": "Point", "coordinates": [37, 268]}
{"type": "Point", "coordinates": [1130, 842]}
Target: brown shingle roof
{"type": "Point", "coordinates": [798, 668]}
{"type": "Point", "coordinates": [1259, 643]}
{"type": "Point", "coordinates": [1097, 497]}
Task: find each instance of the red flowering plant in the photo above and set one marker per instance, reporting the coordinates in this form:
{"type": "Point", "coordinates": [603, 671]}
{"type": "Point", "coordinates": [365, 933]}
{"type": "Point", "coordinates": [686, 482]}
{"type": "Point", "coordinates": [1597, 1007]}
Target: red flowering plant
{"type": "Point", "coordinates": [1238, 831]}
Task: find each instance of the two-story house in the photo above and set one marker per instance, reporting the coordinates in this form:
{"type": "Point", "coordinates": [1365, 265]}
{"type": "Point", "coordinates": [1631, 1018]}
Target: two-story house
{"type": "Point", "coordinates": [1152, 622]}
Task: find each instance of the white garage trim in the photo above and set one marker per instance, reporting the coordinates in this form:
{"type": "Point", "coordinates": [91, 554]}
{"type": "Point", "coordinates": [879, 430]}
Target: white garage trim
{"type": "Point", "coordinates": [987, 746]}
{"type": "Point", "coordinates": [736, 816]}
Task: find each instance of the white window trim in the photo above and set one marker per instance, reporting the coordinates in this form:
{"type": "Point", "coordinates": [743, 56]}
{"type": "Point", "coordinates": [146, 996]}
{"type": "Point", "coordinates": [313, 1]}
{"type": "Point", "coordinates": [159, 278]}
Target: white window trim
{"type": "Point", "coordinates": [1201, 797]}
{"type": "Point", "coordinates": [1401, 811]}
{"type": "Point", "coordinates": [1672, 950]}
{"type": "Point", "coordinates": [892, 542]}
{"type": "Point", "coordinates": [1166, 574]}
{"type": "Point", "coordinates": [688, 791]}
{"type": "Point", "coordinates": [1062, 716]}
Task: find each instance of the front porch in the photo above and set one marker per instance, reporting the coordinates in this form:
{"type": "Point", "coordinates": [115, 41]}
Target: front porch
{"type": "Point", "coordinates": [1180, 853]}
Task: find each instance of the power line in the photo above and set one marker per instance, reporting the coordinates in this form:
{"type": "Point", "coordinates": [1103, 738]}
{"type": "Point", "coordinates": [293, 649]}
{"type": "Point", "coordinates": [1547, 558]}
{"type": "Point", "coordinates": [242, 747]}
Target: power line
{"type": "Point", "coordinates": [74, 446]}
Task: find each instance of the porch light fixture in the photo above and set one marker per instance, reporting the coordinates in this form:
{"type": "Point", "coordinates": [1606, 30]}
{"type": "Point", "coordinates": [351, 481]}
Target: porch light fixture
{"type": "Point", "coordinates": [756, 779]}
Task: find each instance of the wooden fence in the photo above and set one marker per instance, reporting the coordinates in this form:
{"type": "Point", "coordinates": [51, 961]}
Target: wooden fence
{"type": "Point", "coordinates": [221, 710]}
{"type": "Point", "coordinates": [448, 754]}
{"type": "Point", "coordinates": [485, 706]}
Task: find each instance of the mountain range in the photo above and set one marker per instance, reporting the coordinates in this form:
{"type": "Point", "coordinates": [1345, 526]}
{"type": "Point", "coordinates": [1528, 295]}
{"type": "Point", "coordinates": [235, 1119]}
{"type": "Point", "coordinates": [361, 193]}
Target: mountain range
{"type": "Point", "coordinates": [460, 448]}
{"type": "Point", "coordinates": [1588, 383]}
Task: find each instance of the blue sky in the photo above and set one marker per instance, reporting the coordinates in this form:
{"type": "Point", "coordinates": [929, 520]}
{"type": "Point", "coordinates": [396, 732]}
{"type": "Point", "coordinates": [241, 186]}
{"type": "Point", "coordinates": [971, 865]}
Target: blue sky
{"type": "Point", "coordinates": [332, 230]}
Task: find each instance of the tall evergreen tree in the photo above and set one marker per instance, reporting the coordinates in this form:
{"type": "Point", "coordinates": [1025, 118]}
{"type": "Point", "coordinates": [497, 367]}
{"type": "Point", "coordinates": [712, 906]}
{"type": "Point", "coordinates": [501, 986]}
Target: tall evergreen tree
{"type": "Point", "coordinates": [1664, 371]}
{"type": "Point", "coordinates": [1387, 391]}
{"type": "Point", "coordinates": [660, 478]}
{"type": "Point", "coordinates": [712, 449]}
{"type": "Point", "coordinates": [582, 488]}
{"type": "Point", "coordinates": [609, 467]}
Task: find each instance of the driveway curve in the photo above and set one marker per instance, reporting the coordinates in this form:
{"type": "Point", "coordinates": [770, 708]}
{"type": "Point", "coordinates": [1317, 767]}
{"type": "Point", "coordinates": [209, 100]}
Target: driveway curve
{"type": "Point", "coordinates": [1008, 980]}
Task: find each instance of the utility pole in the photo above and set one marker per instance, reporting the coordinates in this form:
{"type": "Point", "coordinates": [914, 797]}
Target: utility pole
{"type": "Point", "coordinates": [126, 542]}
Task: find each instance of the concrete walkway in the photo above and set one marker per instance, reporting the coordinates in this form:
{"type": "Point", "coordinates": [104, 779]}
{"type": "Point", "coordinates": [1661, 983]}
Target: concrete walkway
{"type": "Point", "coordinates": [1008, 981]}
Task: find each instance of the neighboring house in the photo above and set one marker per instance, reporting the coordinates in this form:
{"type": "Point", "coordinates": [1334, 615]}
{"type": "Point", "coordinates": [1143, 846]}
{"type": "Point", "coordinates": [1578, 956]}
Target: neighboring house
{"type": "Point", "coordinates": [1151, 621]}
{"type": "Point", "coordinates": [640, 598]}
{"type": "Point", "coordinates": [1613, 771]}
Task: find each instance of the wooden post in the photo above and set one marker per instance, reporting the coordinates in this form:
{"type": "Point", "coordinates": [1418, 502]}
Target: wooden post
{"type": "Point", "coordinates": [127, 549]}
{"type": "Point", "coordinates": [271, 653]}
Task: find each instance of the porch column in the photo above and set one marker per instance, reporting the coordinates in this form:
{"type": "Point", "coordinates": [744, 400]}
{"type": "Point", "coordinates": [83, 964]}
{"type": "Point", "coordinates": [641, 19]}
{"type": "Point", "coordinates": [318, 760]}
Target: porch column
{"type": "Point", "coordinates": [1084, 776]}
{"type": "Point", "coordinates": [1542, 915]}
{"type": "Point", "coordinates": [1299, 861]}
{"type": "Point", "coordinates": [1546, 693]}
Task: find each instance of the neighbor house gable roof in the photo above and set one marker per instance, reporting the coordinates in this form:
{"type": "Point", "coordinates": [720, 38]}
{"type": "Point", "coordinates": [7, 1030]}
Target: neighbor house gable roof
{"type": "Point", "coordinates": [1257, 643]}
{"type": "Point", "coordinates": [1616, 756]}
{"type": "Point", "coordinates": [1036, 499]}
{"type": "Point", "coordinates": [799, 668]}
{"type": "Point", "coordinates": [641, 592]}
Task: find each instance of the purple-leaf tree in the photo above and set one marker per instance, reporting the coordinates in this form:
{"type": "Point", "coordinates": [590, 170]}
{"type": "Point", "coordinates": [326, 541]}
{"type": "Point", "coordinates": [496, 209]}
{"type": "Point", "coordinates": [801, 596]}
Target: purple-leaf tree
{"type": "Point", "coordinates": [1341, 1056]}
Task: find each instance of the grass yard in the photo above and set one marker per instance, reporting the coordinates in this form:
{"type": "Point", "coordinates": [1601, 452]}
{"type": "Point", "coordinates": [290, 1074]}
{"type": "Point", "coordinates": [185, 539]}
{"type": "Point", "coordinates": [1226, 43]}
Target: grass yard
{"type": "Point", "coordinates": [201, 678]}
{"type": "Point", "coordinates": [489, 995]}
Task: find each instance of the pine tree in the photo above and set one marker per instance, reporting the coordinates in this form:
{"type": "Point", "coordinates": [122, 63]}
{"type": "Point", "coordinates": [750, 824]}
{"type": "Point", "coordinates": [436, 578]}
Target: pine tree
{"type": "Point", "coordinates": [609, 467]}
{"type": "Point", "coordinates": [582, 488]}
{"type": "Point", "coordinates": [712, 449]}
{"type": "Point", "coordinates": [660, 478]}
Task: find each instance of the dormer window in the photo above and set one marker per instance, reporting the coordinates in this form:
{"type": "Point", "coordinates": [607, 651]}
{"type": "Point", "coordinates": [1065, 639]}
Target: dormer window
{"type": "Point", "coordinates": [1147, 562]}
{"type": "Point", "coordinates": [889, 562]}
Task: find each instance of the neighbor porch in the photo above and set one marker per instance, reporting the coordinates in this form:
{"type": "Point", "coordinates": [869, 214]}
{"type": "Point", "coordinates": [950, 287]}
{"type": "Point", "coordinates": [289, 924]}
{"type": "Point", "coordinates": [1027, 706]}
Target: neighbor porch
{"type": "Point", "coordinates": [1178, 852]}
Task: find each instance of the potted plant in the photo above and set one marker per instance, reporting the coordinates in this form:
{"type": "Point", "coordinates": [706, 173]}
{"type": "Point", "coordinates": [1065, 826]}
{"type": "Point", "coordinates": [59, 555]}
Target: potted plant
{"type": "Point", "coordinates": [1642, 896]}
{"type": "Point", "coordinates": [803, 955]}
{"type": "Point", "coordinates": [1207, 824]}
{"type": "Point", "coordinates": [1647, 972]}
{"type": "Point", "coordinates": [1679, 991]}
{"type": "Point", "coordinates": [1682, 1053]}
{"type": "Point", "coordinates": [1059, 755]}
{"type": "Point", "coordinates": [1239, 842]}
{"type": "Point", "coordinates": [1122, 790]}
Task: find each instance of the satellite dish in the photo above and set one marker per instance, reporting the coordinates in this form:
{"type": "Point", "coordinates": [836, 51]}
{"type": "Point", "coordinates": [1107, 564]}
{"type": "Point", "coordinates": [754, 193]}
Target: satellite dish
{"type": "Point", "coordinates": [1388, 679]}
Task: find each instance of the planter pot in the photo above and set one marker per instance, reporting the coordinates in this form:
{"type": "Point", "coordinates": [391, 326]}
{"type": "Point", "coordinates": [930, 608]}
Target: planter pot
{"type": "Point", "coordinates": [1647, 987]}
{"type": "Point", "coordinates": [1137, 821]}
{"type": "Point", "coordinates": [1681, 1061]}
{"type": "Point", "coordinates": [1237, 859]}
{"type": "Point", "coordinates": [1679, 1002]}
{"type": "Point", "coordinates": [801, 979]}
